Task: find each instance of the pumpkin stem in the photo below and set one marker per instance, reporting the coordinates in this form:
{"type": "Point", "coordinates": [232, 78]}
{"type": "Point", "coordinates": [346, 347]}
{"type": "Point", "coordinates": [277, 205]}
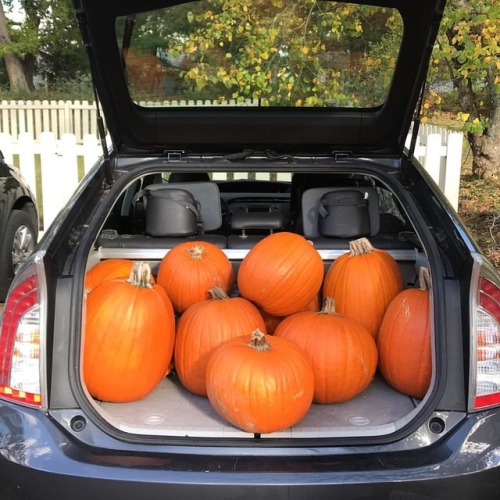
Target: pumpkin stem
{"type": "Point", "coordinates": [424, 278]}
{"type": "Point", "coordinates": [196, 252]}
{"type": "Point", "coordinates": [140, 275]}
{"type": "Point", "coordinates": [328, 306]}
{"type": "Point", "coordinates": [217, 293]}
{"type": "Point", "coordinates": [361, 246]}
{"type": "Point", "coordinates": [258, 341]}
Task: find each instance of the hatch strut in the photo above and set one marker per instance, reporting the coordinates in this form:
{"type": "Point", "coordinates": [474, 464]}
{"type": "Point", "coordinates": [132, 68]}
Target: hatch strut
{"type": "Point", "coordinates": [102, 135]}
{"type": "Point", "coordinates": [416, 122]}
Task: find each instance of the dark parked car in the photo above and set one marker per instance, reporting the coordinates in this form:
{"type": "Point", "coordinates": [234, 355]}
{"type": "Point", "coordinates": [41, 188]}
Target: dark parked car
{"type": "Point", "coordinates": [232, 121]}
{"type": "Point", "coordinates": [18, 224]}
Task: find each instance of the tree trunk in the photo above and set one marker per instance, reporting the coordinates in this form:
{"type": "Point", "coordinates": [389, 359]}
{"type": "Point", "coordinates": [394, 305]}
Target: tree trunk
{"type": "Point", "coordinates": [486, 148]}
{"type": "Point", "coordinates": [13, 64]}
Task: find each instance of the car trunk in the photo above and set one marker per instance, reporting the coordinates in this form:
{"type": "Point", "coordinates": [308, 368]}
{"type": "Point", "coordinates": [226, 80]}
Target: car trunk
{"type": "Point", "coordinates": [170, 410]}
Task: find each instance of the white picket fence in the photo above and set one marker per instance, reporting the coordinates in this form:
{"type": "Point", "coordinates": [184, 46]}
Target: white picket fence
{"type": "Point", "coordinates": [67, 152]}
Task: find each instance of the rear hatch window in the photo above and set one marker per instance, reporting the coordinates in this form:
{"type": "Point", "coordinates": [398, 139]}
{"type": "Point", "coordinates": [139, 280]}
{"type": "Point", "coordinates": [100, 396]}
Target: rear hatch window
{"type": "Point", "coordinates": [298, 53]}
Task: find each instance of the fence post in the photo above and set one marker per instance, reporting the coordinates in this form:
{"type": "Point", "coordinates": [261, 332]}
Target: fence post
{"type": "Point", "coordinates": [6, 147]}
{"type": "Point", "coordinates": [432, 159]}
{"type": "Point", "coordinates": [27, 159]}
{"type": "Point", "coordinates": [453, 167]}
{"type": "Point", "coordinates": [52, 188]}
{"type": "Point", "coordinates": [91, 151]}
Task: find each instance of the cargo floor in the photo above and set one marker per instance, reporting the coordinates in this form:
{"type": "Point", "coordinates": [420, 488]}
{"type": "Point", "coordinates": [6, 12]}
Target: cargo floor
{"type": "Point", "coordinates": [170, 410]}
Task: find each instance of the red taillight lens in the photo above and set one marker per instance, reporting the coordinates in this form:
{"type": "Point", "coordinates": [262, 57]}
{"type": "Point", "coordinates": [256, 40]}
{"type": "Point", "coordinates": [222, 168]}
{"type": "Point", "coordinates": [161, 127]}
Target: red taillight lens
{"type": "Point", "coordinates": [20, 344]}
{"type": "Point", "coordinates": [485, 355]}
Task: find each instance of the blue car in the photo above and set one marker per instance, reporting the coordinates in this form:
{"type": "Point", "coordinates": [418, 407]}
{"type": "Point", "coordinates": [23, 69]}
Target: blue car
{"type": "Point", "coordinates": [272, 135]}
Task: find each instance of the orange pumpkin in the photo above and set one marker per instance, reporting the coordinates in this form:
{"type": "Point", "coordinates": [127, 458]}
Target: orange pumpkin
{"type": "Point", "coordinates": [106, 270]}
{"type": "Point", "coordinates": [190, 269]}
{"type": "Point", "coordinates": [203, 327]}
{"type": "Point", "coordinates": [281, 274]}
{"type": "Point", "coordinates": [404, 341]}
{"type": "Point", "coordinates": [342, 352]}
{"type": "Point", "coordinates": [272, 322]}
{"type": "Point", "coordinates": [129, 337]}
{"type": "Point", "coordinates": [363, 282]}
{"type": "Point", "coordinates": [260, 384]}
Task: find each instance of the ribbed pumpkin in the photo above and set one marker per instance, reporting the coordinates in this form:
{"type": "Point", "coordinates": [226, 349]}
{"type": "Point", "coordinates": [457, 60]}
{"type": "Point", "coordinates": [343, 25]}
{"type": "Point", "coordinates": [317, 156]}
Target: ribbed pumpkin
{"type": "Point", "coordinates": [363, 282]}
{"type": "Point", "coordinates": [282, 273]}
{"type": "Point", "coordinates": [129, 337]}
{"type": "Point", "coordinates": [190, 269]}
{"type": "Point", "coordinates": [203, 327]}
{"type": "Point", "coordinates": [342, 352]}
{"type": "Point", "coordinates": [106, 270]}
{"type": "Point", "coordinates": [404, 341]}
{"type": "Point", "coordinates": [260, 384]}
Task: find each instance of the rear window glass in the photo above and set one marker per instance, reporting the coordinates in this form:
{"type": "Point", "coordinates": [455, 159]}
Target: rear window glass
{"type": "Point", "coordinates": [290, 53]}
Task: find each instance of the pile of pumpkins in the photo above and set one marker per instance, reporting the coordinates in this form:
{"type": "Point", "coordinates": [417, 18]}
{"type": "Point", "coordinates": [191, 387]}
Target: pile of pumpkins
{"type": "Point", "coordinates": [262, 355]}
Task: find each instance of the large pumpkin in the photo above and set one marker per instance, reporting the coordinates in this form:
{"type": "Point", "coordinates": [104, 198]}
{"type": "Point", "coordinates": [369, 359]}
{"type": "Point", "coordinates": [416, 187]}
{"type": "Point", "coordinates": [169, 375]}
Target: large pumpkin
{"type": "Point", "coordinates": [106, 270]}
{"type": "Point", "coordinates": [129, 337]}
{"type": "Point", "coordinates": [281, 274]}
{"type": "Point", "coordinates": [404, 341]}
{"type": "Point", "coordinates": [260, 384]}
{"type": "Point", "coordinates": [190, 269]}
{"type": "Point", "coordinates": [203, 327]}
{"type": "Point", "coordinates": [363, 282]}
{"type": "Point", "coordinates": [342, 352]}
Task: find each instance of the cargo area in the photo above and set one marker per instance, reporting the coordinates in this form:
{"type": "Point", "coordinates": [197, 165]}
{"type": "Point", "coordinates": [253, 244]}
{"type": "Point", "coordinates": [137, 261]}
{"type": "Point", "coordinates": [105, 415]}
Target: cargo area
{"type": "Point", "coordinates": [237, 214]}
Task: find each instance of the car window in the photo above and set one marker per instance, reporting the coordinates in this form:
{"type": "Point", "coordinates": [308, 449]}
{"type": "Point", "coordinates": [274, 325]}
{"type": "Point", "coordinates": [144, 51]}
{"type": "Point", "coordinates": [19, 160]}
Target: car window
{"type": "Point", "coordinates": [287, 53]}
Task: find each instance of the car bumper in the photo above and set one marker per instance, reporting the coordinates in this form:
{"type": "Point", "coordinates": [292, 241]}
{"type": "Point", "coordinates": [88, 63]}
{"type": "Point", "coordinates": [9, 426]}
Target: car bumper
{"type": "Point", "coordinates": [38, 460]}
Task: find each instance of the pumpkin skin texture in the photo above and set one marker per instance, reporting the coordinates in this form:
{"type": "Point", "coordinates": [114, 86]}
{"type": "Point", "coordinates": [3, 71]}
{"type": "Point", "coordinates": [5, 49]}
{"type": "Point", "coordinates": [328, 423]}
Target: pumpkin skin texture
{"type": "Point", "coordinates": [206, 325]}
{"type": "Point", "coordinates": [129, 337]}
{"type": "Point", "coordinates": [363, 282]}
{"type": "Point", "coordinates": [341, 350]}
{"type": "Point", "coordinates": [281, 274]}
{"type": "Point", "coordinates": [404, 341]}
{"type": "Point", "coordinates": [106, 270]}
{"type": "Point", "coordinates": [260, 389]}
{"type": "Point", "coordinates": [190, 269]}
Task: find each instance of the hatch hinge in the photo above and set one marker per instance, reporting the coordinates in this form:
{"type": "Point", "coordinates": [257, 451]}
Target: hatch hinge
{"type": "Point", "coordinates": [341, 157]}
{"type": "Point", "coordinates": [174, 155]}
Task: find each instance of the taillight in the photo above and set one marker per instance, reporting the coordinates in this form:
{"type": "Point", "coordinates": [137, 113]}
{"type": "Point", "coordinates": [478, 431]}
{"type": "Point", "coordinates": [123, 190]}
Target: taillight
{"type": "Point", "coordinates": [485, 338]}
{"type": "Point", "coordinates": [20, 341]}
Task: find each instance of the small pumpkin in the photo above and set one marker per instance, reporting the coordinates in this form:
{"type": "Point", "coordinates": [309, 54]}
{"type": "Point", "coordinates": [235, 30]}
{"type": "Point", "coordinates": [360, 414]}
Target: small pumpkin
{"type": "Point", "coordinates": [129, 337]}
{"type": "Point", "coordinates": [203, 327]}
{"type": "Point", "coordinates": [363, 282]}
{"type": "Point", "coordinates": [282, 273]}
{"type": "Point", "coordinates": [341, 350]}
{"type": "Point", "coordinates": [190, 269]}
{"type": "Point", "coordinates": [260, 384]}
{"type": "Point", "coordinates": [106, 270]}
{"type": "Point", "coordinates": [404, 341]}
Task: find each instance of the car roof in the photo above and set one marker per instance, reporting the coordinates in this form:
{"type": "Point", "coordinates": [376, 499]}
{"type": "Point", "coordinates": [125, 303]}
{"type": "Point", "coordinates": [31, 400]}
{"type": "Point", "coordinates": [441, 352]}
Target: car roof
{"type": "Point", "coordinates": [377, 130]}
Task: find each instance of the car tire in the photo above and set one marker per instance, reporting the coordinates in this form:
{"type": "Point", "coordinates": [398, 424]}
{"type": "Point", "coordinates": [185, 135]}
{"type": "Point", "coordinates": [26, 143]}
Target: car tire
{"type": "Point", "coordinates": [18, 243]}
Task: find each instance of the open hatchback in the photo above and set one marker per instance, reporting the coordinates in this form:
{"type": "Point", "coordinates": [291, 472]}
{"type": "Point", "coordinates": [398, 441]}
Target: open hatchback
{"type": "Point", "coordinates": [277, 136]}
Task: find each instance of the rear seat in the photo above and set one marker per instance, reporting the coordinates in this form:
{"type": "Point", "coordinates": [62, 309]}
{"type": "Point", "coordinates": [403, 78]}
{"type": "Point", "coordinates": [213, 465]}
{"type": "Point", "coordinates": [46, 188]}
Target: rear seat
{"type": "Point", "coordinates": [347, 223]}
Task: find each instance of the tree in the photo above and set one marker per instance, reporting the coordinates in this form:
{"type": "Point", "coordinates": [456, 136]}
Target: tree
{"type": "Point", "coordinates": [44, 40]}
{"type": "Point", "coordinates": [285, 52]}
{"type": "Point", "coordinates": [13, 62]}
{"type": "Point", "coordinates": [466, 54]}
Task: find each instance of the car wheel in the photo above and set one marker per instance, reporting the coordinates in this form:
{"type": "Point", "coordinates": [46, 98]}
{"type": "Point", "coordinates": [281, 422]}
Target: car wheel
{"type": "Point", "coordinates": [18, 243]}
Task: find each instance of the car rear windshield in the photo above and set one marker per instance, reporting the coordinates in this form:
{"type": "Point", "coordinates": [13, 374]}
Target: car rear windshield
{"type": "Point", "coordinates": [287, 53]}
